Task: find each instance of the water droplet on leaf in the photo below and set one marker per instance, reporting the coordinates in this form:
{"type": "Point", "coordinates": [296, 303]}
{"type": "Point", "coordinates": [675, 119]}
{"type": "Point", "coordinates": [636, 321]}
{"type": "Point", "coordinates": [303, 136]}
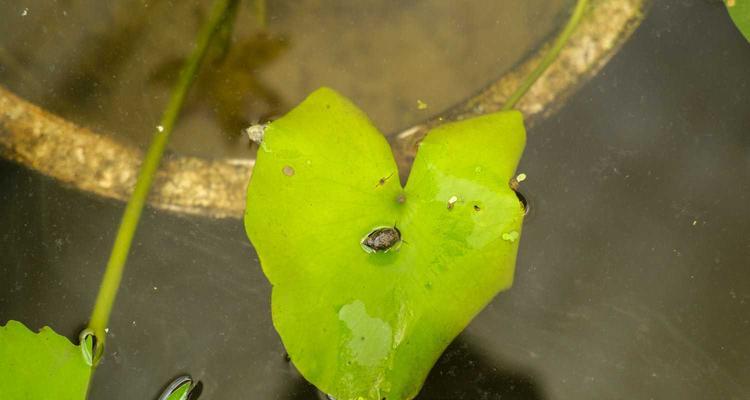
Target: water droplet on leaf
{"type": "Point", "coordinates": [510, 236]}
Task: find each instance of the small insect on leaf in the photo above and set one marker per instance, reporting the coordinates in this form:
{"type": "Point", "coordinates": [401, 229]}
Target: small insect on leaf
{"type": "Point", "coordinates": [382, 239]}
{"type": "Point", "coordinates": [383, 180]}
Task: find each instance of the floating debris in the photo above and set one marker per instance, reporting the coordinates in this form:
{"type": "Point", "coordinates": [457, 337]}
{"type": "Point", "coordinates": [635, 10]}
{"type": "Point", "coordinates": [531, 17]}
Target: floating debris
{"type": "Point", "coordinates": [256, 133]}
{"type": "Point", "coordinates": [452, 201]}
{"type": "Point", "coordinates": [421, 105]}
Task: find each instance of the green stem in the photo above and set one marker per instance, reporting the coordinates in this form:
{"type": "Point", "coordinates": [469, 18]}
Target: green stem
{"type": "Point", "coordinates": [557, 46]}
{"type": "Point", "coordinates": [260, 10]}
{"type": "Point", "coordinates": [113, 274]}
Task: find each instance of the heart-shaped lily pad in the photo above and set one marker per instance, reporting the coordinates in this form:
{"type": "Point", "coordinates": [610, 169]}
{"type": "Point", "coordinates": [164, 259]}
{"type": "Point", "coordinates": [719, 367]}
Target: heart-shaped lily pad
{"type": "Point", "coordinates": [371, 281]}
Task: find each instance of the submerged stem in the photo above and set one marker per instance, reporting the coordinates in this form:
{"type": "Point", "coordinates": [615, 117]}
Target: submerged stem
{"type": "Point", "coordinates": [261, 13]}
{"type": "Point", "coordinates": [113, 274]}
{"type": "Point", "coordinates": [557, 46]}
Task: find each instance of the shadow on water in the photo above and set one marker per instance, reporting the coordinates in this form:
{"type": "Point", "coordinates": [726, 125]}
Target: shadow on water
{"type": "Point", "coordinates": [462, 372]}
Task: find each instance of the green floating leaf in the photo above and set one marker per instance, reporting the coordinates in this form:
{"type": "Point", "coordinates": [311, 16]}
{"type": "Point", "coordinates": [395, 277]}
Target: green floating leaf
{"type": "Point", "coordinates": [181, 393]}
{"type": "Point", "coordinates": [372, 281]}
{"type": "Point", "coordinates": [739, 10]}
{"type": "Point", "coordinates": [179, 389]}
{"type": "Point", "coordinates": [40, 365]}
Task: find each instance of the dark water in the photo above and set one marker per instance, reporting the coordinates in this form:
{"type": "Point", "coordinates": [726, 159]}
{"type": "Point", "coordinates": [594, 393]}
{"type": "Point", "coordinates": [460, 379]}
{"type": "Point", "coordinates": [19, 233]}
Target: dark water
{"type": "Point", "coordinates": [633, 276]}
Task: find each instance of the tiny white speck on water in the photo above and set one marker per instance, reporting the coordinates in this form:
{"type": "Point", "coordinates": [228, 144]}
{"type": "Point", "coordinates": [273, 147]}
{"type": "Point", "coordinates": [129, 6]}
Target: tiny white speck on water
{"type": "Point", "coordinates": [155, 288]}
{"type": "Point", "coordinates": [106, 330]}
{"type": "Point", "coordinates": [521, 177]}
{"type": "Point", "coordinates": [160, 128]}
{"type": "Point", "coordinates": [25, 12]}
{"type": "Point", "coordinates": [695, 222]}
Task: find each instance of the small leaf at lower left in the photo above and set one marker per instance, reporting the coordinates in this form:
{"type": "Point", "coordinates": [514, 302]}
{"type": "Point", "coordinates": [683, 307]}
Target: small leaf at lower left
{"type": "Point", "coordinates": [41, 365]}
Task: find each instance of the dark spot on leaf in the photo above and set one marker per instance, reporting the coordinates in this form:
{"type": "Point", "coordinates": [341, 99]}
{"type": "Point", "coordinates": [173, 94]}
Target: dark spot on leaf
{"type": "Point", "coordinates": [288, 170]}
{"type": "Point", "coordinates": [477, 208]}
{"type": "Point", "coordinates": [401, 198]}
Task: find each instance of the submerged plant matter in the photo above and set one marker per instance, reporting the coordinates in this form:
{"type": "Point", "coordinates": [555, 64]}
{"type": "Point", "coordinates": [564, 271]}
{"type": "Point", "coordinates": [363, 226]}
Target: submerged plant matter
{"type": "Point", "coordinates": [370, 324]}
